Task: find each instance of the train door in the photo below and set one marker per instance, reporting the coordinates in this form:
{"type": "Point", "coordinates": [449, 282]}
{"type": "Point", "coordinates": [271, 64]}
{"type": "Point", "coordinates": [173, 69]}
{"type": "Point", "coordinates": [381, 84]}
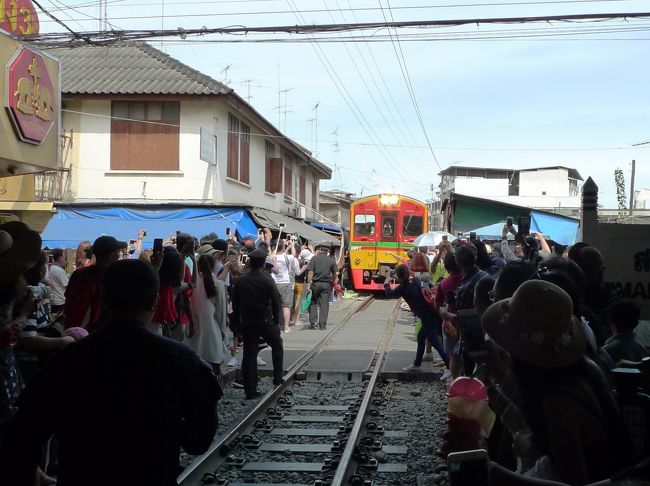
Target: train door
{"type": "Point", "coordinates": [388, 225]}
{"type": "Point", "coordinates": [367, 232]}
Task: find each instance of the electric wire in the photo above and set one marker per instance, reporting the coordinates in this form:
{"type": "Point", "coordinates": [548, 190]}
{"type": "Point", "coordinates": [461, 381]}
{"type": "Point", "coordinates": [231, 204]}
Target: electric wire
{"type": "Point", "coordinates": [349, 100]}
{"type": "Point", "coordinates": [407, 78]}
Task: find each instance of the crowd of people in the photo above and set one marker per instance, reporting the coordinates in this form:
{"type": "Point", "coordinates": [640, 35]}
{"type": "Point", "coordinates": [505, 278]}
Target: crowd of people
{"type": "Point", "coordinates": [107, 372]}
{"type": "Point", "coordinates": [540, 328]}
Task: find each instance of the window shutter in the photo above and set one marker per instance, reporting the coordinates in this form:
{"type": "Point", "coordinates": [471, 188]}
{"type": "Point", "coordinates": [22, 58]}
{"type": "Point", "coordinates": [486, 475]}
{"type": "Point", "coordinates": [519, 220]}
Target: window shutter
{"type": "Point", "coordinates": [314, 193]}
{"type": "Point", "coordinates": [233, 147]}
{"type": "Point", "coordinates": [288, 181]}
{"type": "Point", "coordinates": [276, 174]}
{"type": "Point", "coordinates": [303, 184]}
{"type": "Point", "coordinates": [244, 154]}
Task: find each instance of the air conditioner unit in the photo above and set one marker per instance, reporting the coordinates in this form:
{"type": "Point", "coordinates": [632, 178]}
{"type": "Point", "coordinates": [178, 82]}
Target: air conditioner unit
{"type": "Point", "coordinates": [301, 212]}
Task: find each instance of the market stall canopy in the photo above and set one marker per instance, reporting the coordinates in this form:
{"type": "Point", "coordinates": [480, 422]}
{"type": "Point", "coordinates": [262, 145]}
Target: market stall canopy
{"type": "Point", "coordinates": [270, 219]}
{"type": "Point", "coordinates": [72, 225]}
{"type": "Point", "coordinates": [469, 212]}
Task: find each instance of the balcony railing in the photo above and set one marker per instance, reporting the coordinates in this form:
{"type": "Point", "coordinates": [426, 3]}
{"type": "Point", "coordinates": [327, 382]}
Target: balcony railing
{"type": "Point", "coordinates": [52, 185]}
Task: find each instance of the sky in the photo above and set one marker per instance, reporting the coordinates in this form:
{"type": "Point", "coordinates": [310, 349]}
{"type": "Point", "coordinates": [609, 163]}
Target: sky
{"type": "Point", "coordinates": [389, 111]}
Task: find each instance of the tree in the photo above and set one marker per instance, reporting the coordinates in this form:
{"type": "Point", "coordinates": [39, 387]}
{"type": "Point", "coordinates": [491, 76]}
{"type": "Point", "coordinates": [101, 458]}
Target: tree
{"type": "Point", "coordinates": [619, 181]}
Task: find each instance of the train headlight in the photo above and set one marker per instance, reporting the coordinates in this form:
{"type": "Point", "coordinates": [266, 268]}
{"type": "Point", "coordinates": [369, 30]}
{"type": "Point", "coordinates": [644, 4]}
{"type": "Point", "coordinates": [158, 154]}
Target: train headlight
{"type": "Point", "coordinates": [389, 199]}
{"type": "Point", "coordinates": [357, 260]}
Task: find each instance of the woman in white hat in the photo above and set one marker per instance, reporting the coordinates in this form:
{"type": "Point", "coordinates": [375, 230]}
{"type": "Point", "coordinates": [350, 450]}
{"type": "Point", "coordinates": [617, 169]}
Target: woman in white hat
{"type": "Point", "coordinates": [574, 421]}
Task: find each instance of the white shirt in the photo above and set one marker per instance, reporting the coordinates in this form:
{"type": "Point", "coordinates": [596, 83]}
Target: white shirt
{"type": "Point", "coordinates": [59, 280]}
{"type": "Point", "coordinates": [285, 264]}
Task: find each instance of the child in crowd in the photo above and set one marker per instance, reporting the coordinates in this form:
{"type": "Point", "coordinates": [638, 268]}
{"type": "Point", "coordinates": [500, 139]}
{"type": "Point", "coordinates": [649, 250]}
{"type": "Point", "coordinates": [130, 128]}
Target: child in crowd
{"type": "Point", "coordinates": [623, 317]}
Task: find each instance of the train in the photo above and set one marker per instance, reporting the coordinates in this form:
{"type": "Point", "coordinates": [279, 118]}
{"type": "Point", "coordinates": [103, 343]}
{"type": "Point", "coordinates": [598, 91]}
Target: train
{"type": "Point", "coordinates": [382, 230]}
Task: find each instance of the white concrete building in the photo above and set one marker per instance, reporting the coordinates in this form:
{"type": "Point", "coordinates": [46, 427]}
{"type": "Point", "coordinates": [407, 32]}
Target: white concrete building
{"type": "Point", "coordinates": [144, 127]}
{"type": "Point", "coordinates": [551, 188]}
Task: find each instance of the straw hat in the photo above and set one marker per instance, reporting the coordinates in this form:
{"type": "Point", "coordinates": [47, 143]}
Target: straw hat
{"type": "Point", "coordinates": [537, 326]}
{"type": "Point", "coordinates": [20, 249]}
{"type": "Point", "coordinates": [208, 250]}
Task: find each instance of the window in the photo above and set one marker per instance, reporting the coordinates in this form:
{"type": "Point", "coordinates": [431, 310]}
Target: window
{"type": "Point", "coordinates": [314, 193]}
{"type": "Point", "coordinates": [412, 225]}
{"type": "Point", "coordinates": [388, 227]}
{"type": "Point", "coordinates": [145, 135]}
{"type": "Point", "coordinates": [272, 169]}
{"type": "Point", "coordinates": [288, 182]}
{"type": "Point", "coordinates": [302, 196]}
{"type": "Point", "coordinates": [239, 135]}
{"type": "Point", "coordinates": [364, 224]}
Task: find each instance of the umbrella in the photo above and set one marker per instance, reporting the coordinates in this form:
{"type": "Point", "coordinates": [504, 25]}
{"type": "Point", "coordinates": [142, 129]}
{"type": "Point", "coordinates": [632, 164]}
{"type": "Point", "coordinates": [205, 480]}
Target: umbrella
{"type": "Point", "coordinates": [432, 238]}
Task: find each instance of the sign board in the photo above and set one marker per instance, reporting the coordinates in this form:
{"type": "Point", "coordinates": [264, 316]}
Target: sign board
{"type": "Point", "coordinates": [18, 17]}
{"type": "Point", "coordinates": [626, 250]}
{"type": "Point", "coordinates": [30, 118]}
{"type": "Point", "coordinates": [208, 146]}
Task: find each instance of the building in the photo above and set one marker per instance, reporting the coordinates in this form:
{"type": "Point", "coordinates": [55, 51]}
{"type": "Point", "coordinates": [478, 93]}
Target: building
{"type": "Point", "coordinates": [141, 128]}
{"type": "Point", "coordinates": [335, 207]}
{"type": "Point", "coordinates": [554, 189]}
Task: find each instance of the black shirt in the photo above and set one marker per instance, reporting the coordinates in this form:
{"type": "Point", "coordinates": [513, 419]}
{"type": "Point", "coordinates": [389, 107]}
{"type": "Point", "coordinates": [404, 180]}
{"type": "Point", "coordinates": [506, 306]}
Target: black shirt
{"type": "Point", "coordinates": [251, 297]}
{"type": "Point", "coordinates": [323, 267]}
{"type": "Point", "coordinates": [121, 402]}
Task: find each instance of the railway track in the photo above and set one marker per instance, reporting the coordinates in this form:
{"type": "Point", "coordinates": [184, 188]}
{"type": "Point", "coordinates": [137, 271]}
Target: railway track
{"type": "Point", "coordinates": [321, 432]}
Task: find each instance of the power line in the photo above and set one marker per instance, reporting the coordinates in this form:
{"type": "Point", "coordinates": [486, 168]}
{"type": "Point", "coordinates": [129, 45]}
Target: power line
{"type": "Point", "coordinates": [350, 9]}
{"type": "Point", "coordinates": [61, 23]}
{"type": "Point", "coordinates": [409, 85]}
{"type": "Point", "coordinates": [107, 37]}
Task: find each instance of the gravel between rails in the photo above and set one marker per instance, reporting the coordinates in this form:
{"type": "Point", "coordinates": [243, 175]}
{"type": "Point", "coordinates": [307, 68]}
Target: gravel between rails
{"type": "Point", "coordinates": [231, 409]}
{"type": "Point", "coordinates": [421, 409]}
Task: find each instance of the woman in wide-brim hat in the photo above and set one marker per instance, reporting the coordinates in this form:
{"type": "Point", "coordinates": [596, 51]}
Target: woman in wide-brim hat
{"type": "Point", "coordinates": [574, 421]}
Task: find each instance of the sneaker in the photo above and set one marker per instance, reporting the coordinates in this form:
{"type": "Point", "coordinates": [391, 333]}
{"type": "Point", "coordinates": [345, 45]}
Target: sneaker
{"type": "Point", "coordinates": [412, 368]}
{"type": "Point", "coordinates": [445, 376]}
{"type": "Point", "coordinates": [253, 396]}
{"type": "Point", "coordinates": [278, 381]}
{"type": "Point", "coordinates": [427, 357]}
{"type": "Point", "coordinates": [260, 362]}
{"type": "Point", "coordinates": [233, 362]}
{"type": "Point", "coordinates": [287, 330]}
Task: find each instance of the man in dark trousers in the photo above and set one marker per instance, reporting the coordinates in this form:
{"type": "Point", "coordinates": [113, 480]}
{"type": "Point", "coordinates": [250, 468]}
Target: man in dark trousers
{"type": "Point", "coordinates": [256, 309]}
{"type": "Point", "coordinates": [122, 401]}
{"type": "Point", "coordinates": [322, 272]}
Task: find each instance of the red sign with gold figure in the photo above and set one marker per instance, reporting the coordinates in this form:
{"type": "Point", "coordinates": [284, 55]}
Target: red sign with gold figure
{"type": "Point", "coordinates": [18, 17]}
{"type": "Point", "coordinates": [32, 97]}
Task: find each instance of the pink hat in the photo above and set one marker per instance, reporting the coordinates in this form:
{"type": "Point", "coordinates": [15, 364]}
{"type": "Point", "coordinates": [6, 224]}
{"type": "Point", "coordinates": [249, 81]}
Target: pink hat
{"type": "Point", "coordinates": [76, 332]}
{"type": "Point", "coordinates": [466, 387]}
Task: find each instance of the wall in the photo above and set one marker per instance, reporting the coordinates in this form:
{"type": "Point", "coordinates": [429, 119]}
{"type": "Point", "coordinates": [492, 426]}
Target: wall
{"type": "Point", "coordinates": [195, 179]}
{"type": "Point", "coordinates": [554, 182]}
{"type": "Point", "coordinates": [481, 187]}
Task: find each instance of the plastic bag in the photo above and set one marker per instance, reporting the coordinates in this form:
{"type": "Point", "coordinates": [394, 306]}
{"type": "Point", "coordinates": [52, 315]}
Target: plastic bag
{"type": "Point", "coordinates": [304, 306]}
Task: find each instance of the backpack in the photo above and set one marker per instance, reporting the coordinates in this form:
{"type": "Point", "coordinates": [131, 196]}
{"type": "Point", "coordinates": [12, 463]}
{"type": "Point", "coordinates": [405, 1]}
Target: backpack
{"type": "Point", "coordinates": [428, 296]}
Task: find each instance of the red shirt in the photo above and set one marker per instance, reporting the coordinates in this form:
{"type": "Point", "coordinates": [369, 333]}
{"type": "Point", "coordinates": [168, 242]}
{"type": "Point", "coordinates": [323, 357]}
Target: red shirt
{"type": "Point", "coordinates": [448, 284]}
{"type": "Point", "coordinates": [166, 310]}
{"type": "Point", "coordinates": [83, 297]}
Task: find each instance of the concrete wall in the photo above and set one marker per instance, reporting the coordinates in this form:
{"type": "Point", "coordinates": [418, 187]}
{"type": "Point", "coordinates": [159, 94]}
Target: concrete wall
{"type": "Point", "coordinates": [550, 183]}
{"type": "Point", "coordinates": [195, 180]}
{"type": "Point", "coordinates": [480, 187]}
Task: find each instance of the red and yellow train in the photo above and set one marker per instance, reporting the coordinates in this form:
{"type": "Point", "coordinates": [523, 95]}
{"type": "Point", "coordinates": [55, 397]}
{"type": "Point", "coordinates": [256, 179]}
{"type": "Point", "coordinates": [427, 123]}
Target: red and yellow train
{"type": "Point", "coordinates": [382, 230]}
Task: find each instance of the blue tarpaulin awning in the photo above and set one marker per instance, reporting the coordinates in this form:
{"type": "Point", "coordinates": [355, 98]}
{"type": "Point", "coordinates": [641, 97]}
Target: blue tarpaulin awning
{"type": "Point", "coordinates": [72, 225]}
{"type": "Point", "coordinates": [558, 228]}
{"type": "Point", "coordinates": [326, 227]}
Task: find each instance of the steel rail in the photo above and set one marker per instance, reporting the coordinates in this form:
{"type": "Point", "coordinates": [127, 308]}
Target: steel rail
{"type": "Point", "coordinates": [343, 472]}
{"type": "Point", "coordinates": [202, 464]}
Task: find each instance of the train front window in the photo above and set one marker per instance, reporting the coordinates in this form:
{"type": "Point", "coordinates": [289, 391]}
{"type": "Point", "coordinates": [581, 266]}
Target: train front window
{"type": "Point", "coordinates": [412, 225]}
{"type": "Point", "coordinates": [364, 224]}
{"type": "Point", "coordinates": [388, 227]}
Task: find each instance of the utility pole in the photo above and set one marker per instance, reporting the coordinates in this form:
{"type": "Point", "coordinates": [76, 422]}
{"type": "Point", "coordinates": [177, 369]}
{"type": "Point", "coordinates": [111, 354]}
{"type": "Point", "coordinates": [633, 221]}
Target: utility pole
{"type": "Point", "coordinates": [632, 188]}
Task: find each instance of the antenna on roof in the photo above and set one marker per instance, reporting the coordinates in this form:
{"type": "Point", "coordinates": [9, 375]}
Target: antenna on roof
{"type": "Point", "coordinates": [224, 71]}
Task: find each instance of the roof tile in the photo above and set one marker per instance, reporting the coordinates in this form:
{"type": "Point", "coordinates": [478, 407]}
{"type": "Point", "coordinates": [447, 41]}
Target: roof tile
{"type": "Point", "coordinates": [127, 68]}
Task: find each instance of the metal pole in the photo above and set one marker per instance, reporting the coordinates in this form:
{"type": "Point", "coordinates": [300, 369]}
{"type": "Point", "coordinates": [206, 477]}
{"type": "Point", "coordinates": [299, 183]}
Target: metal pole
{"type": "Point", "coordinates": [632, 189]}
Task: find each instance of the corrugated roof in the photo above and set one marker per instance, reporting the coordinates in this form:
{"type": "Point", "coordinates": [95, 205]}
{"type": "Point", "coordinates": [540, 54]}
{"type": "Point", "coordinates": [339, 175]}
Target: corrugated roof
{"type": "Point", "coordinates": [130, 68]}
